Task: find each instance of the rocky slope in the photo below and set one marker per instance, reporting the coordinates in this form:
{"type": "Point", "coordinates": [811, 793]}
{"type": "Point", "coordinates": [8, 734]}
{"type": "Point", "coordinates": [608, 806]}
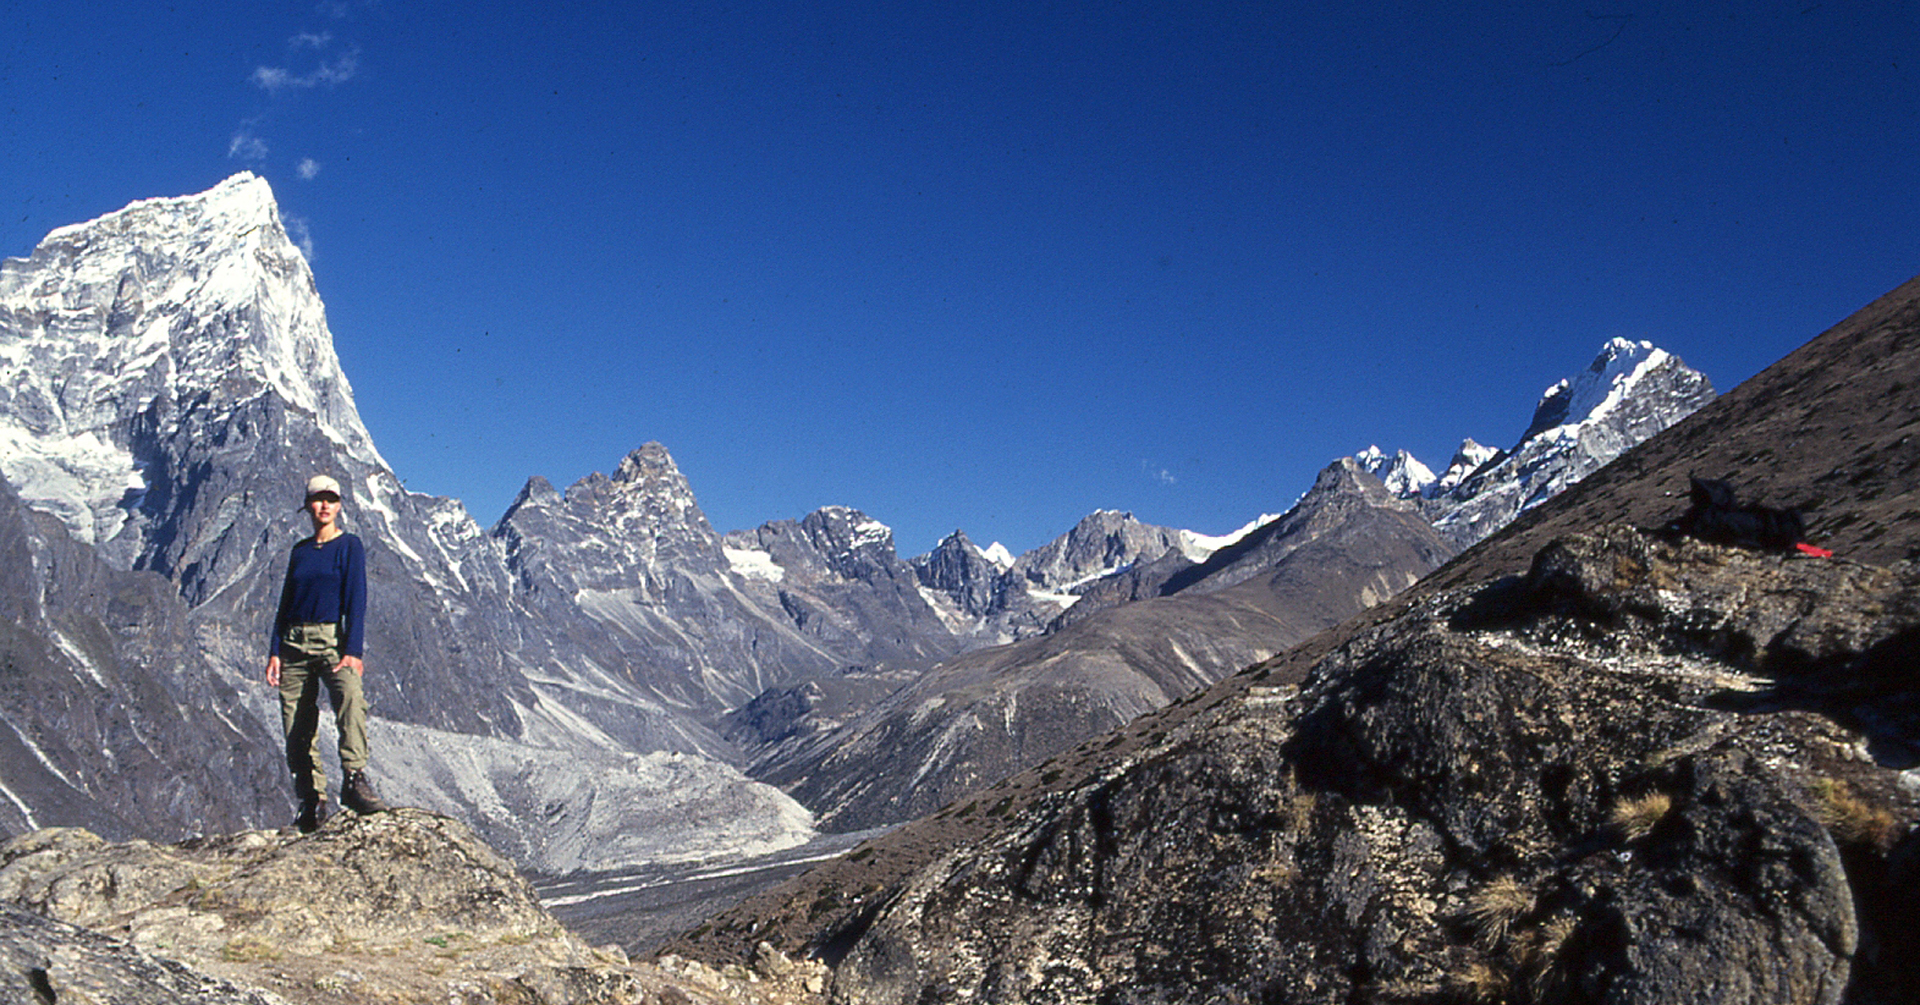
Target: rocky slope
{"type": "Point", "coordinates": [1452, 806]}
{"type": "Point", "coordinates": [102, 676]}
{"type": "Point", "coordinates": [403, 907]}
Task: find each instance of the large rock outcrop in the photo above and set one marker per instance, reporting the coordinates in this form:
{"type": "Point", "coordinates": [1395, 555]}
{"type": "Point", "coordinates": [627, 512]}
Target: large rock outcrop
{"type": "Point", "coordinates": [403, 907]}
{"type": "Point", "coordinates": [1648, 772]}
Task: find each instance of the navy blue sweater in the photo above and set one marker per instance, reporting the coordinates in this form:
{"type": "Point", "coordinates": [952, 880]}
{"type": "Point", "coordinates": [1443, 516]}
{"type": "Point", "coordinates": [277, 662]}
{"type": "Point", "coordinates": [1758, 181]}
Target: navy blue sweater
{"type": "Point", "coordinates": [327, 584]}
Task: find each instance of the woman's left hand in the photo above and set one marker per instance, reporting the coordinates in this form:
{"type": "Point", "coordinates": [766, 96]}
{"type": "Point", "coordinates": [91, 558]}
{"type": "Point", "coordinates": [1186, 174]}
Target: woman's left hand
{"type": "Point", "coordinates": [354, 663]}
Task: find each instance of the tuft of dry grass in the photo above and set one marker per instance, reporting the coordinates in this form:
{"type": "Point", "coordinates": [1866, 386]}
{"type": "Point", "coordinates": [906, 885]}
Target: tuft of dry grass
{"type": "Point", "coordinates": [1493, 909]}
{"type": "Point", "coordinates": [1300, 807]}
{"type": "Point", "coordinates": [1296, 804]}
{"type": "Point", "coordinates": [1854, 820]}
{"type": "Point", "coordinates": [249, 949]}
{"type": "Point", "coordinates": [1538, 955]}
{"type": "Point", "coordinates": [1635, 818]}
{"type": "Point", "coordinates": [1406, 990]}
{"type": "Point", "coordinates": [1480, 981]}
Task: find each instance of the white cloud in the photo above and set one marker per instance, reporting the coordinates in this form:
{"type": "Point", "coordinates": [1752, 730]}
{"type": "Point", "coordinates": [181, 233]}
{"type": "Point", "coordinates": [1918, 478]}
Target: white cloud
{"type": "Point", "coordinates": [275, 78]}
{"type": "Point", "coordinates": [271, 78]}
{"type": "Point", "coordinates": [246, 146]}
{"type": "Point", "coordinates": [1158, 474]}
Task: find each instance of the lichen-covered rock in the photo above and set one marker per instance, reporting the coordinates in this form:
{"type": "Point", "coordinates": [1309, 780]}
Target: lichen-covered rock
{"type": "Point", "coordinates": [400, 907]}
{"type": "Point", "coordinates": [1650, 772]}
{"type": "Point", "coordinates": [45, 961]}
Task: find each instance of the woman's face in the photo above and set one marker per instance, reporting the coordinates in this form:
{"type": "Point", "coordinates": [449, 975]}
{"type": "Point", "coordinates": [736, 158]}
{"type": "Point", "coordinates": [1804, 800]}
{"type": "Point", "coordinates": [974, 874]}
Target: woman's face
{"type": "Point", "coordinates": [323, 510]}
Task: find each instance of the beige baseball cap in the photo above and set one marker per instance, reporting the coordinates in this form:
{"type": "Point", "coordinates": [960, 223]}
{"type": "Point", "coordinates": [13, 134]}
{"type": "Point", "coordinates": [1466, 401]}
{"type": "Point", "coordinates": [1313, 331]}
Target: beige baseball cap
{"type": "Point", "coordinates": [322, 485]}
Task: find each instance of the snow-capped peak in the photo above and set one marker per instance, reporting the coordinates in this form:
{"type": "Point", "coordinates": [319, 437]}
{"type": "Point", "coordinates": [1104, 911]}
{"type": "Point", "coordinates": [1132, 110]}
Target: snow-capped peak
{"type": "Point", "coordinates": [1466, 461]}
{"type": "Point", "coordinates": [1402, 473]}
{"type": "Point", "coordinates": [997, 555]}
{"type": "Point", "coordinates": [1600, 388]}
{"type": "Point", "coordinates": [1629, 392]}
{"type": "Point", "coordinates": [141, 312]}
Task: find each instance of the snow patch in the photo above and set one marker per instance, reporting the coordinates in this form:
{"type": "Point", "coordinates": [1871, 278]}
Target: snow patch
{"type": "Point", "coordinates": [1198, 547]}
{"type": "Point", "coordinates": [376, 504]}
{"type": "Point", "coordinates": [871, 531]}
{"type": "Point", "coordinates": [754, 564]}
{"type": "Point", "coordinates": [74, 475]}
{"type": "Point", "coordinates": [1065, 600]}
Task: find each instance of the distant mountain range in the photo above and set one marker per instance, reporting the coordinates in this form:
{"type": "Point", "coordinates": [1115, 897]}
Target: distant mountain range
{"type": "Point", "coordinates": [600, 677]}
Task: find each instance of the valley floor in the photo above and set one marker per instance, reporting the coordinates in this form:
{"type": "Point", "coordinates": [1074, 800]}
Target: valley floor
{"type": "Point", "coordinates": [640, 909]}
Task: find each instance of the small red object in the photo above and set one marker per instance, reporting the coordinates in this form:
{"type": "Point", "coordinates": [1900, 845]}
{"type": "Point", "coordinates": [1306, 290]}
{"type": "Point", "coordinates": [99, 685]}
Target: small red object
{"type": "Point", "coordinates": [1811, 550]}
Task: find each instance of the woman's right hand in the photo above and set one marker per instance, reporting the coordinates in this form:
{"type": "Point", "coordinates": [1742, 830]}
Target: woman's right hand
{"type": "Point", "coordinates": [273, 671]}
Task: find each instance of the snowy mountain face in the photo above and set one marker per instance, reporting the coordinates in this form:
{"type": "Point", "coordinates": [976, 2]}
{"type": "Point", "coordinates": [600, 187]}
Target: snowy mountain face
{"type": "Point", "coordinates": [1471, 457]}
{"type": "Point", "coordinates": [1631, 391]}
{"type": "Point", "coordinates": [170, 382]}
{"type": "Point", "coordinates": [123, 337]}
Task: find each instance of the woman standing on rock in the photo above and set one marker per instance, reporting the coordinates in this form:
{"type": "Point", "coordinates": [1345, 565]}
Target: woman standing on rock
{"type": "Point", "coordinates": [317, 638]}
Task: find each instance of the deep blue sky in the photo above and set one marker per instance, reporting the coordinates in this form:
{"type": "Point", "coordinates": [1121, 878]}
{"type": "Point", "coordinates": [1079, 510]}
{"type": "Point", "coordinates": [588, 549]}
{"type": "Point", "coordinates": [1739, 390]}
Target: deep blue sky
{"type": "Point", "coordinates": [996, 265]}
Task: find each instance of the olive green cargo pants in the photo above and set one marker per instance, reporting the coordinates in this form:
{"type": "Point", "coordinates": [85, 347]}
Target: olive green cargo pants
{"type": "Point", "coordinates": [308, 655]}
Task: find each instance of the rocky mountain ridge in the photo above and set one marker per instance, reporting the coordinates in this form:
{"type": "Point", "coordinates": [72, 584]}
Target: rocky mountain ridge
{"type": "Point", "coordinates": [977, 718]}
{"type": "Point", "coordinates": [1449, 806]}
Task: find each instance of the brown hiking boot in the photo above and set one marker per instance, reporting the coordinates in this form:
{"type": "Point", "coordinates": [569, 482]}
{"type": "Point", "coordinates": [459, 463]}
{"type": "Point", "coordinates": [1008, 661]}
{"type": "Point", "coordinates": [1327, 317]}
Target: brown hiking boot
{"type": "Point", "coordinates": [356, 793]}
{"type": "Point", "coordinates": [313, 813]}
